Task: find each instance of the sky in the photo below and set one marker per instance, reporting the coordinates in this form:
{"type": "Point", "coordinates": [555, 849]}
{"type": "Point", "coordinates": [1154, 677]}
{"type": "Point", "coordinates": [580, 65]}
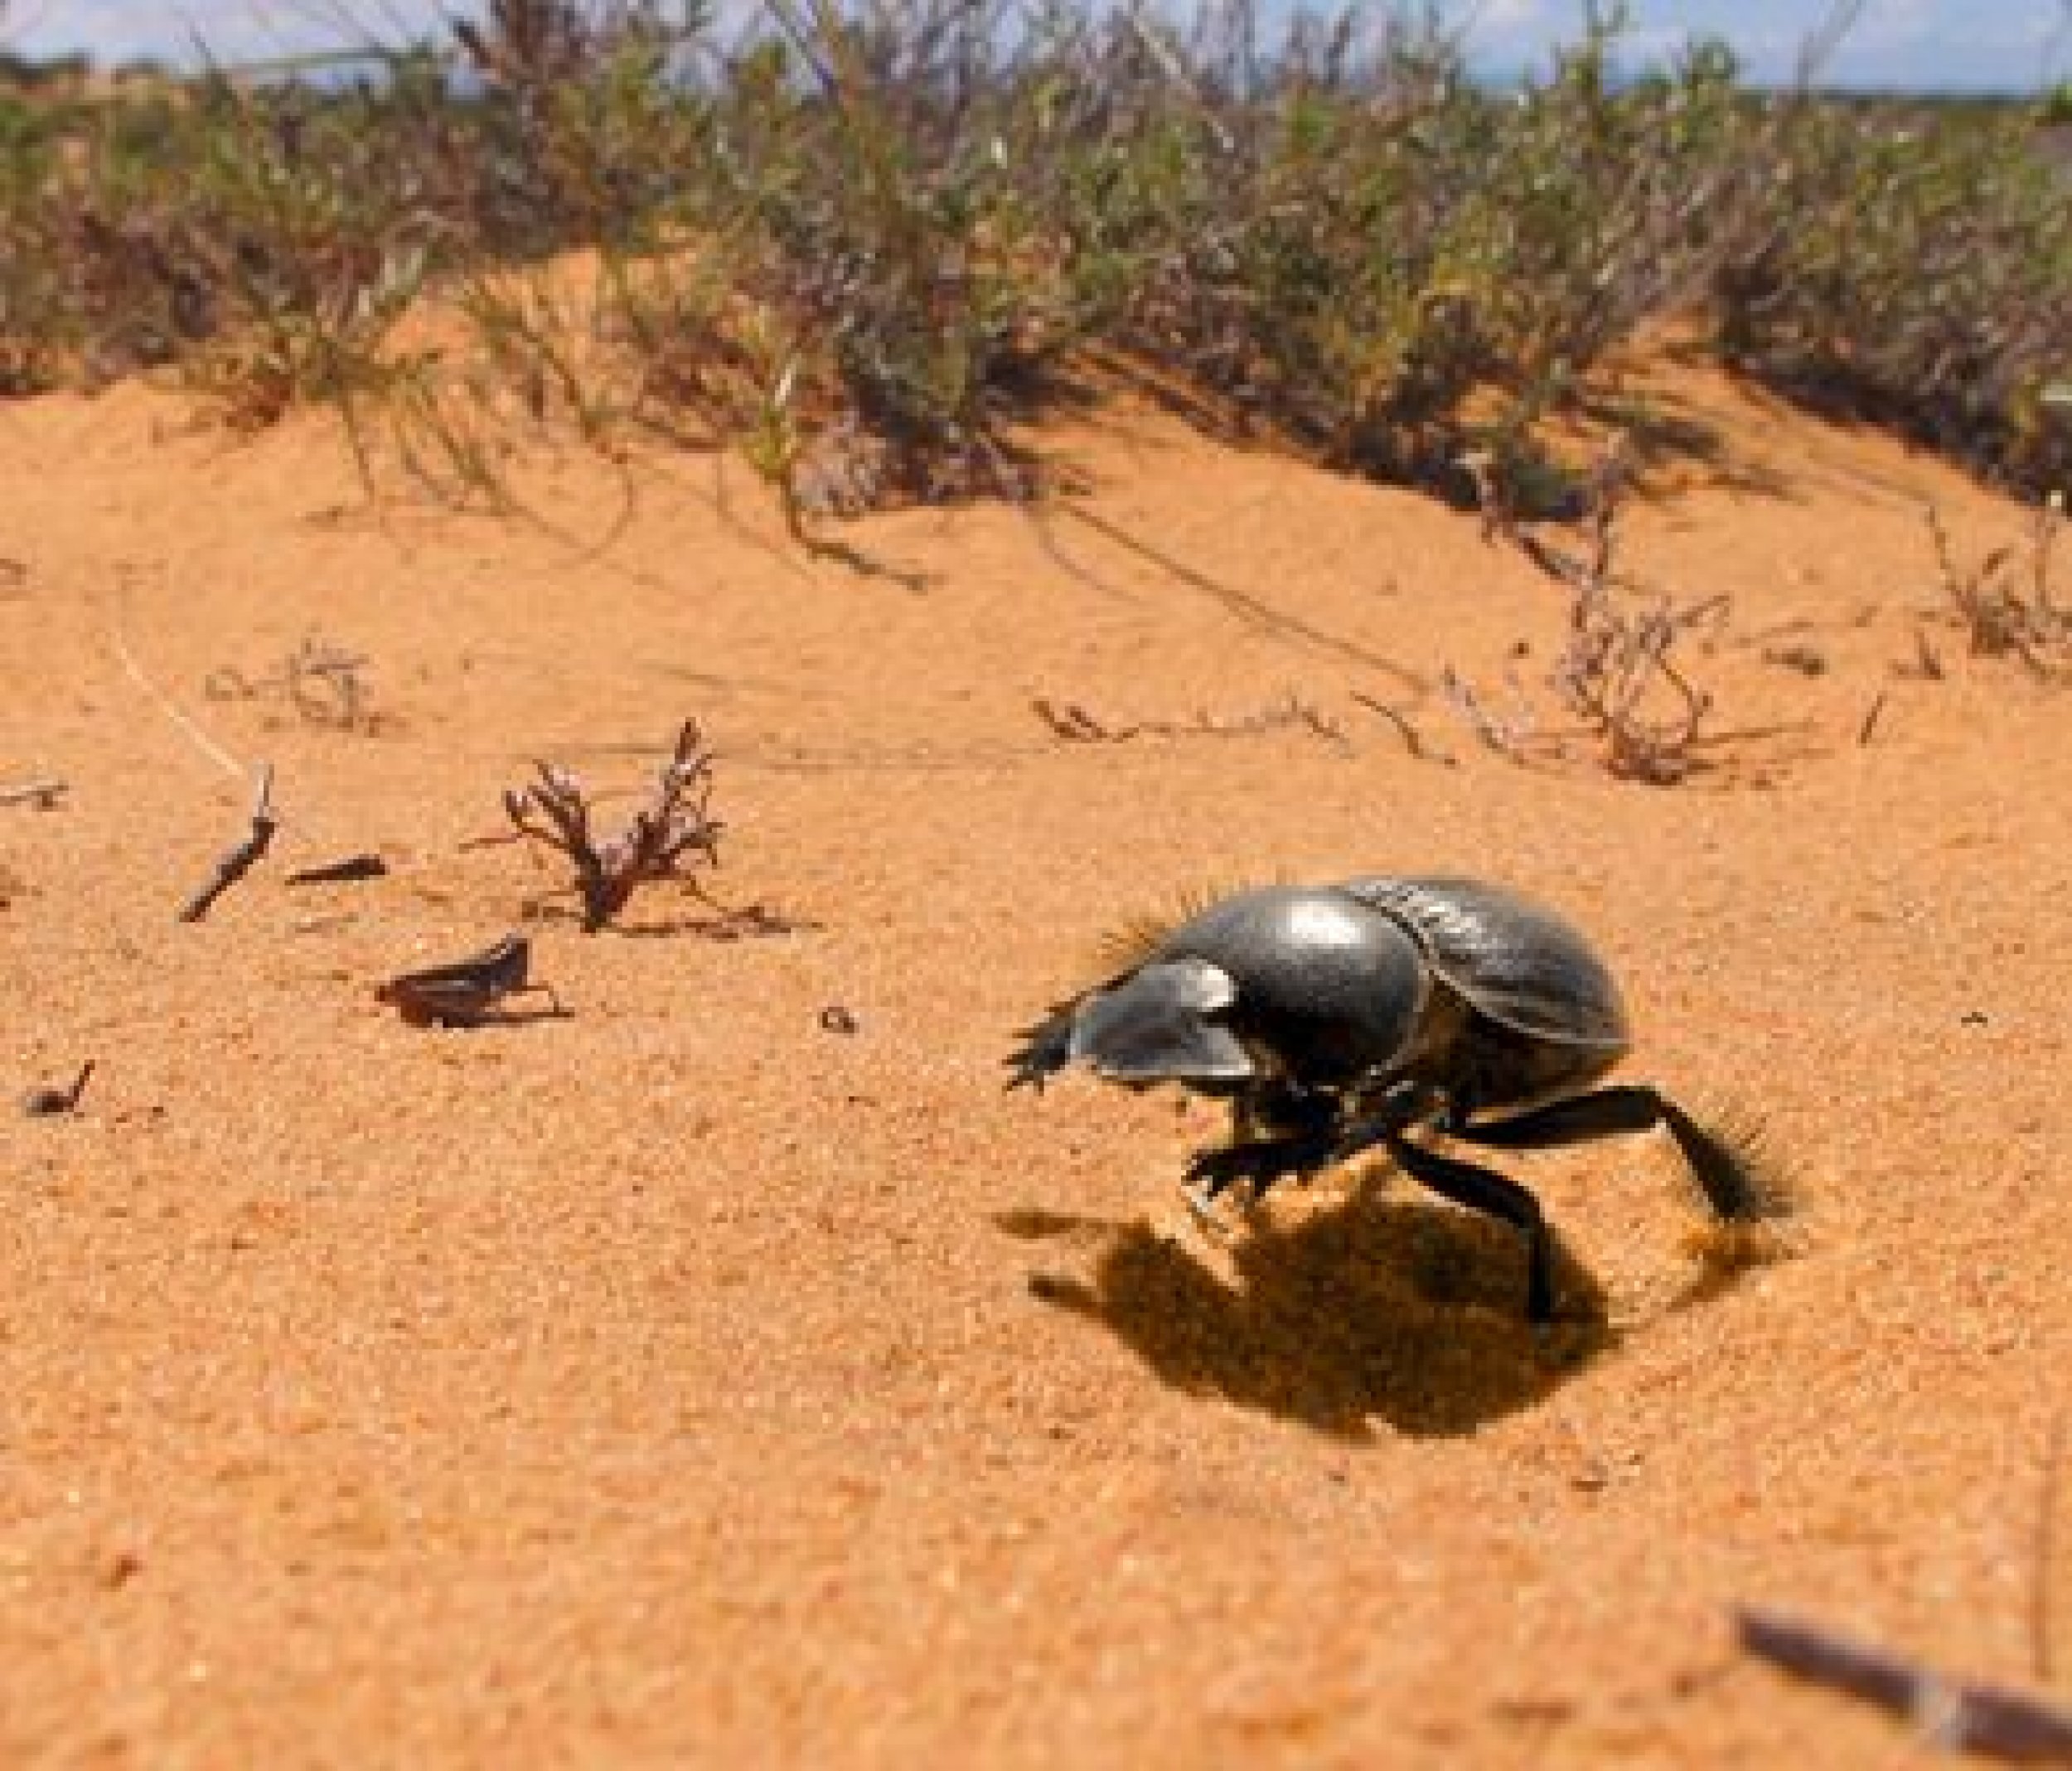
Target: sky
{"type": "Point", "coordinates": [1945, 44]}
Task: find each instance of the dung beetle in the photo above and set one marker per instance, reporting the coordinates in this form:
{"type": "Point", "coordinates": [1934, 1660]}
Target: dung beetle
{"type": "Point", "coordinates": [1340, 1018]}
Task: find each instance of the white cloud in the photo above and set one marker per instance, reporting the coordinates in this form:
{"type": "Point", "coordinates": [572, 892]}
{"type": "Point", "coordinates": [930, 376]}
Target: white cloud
{"type": "Point", "coordinates": [230, 30]}
{"type": "Point", "coordinates": [1512, 17]}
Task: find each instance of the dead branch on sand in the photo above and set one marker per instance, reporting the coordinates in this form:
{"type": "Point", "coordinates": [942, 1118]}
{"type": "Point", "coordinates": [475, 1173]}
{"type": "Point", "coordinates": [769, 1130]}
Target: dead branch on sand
{"type": "Point", "coordinates": [2000, 1721]}
{"type": "Point", "coordinates": [676, 829]}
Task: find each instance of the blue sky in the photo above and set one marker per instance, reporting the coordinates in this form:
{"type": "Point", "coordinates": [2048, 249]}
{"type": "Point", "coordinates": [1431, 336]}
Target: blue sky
{"type": "Point", "coordinates": [1952, 44]}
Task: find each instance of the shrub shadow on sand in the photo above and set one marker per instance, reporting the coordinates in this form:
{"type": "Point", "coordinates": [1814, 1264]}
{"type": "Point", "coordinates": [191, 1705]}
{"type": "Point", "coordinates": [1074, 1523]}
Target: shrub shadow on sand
{"type": "Point", "coordinates": [1402, 1311]}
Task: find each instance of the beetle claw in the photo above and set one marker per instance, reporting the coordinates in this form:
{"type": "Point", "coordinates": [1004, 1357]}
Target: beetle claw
{"type": "Point", "coordinates": [1201, 1206]}
{"type": "Point", "coordinates": [1261, 1163]}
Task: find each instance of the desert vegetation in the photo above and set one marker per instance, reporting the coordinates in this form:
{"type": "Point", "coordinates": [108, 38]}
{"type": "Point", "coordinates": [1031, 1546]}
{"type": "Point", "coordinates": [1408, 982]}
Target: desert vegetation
{"type": "Point", "coordinates": [466, 1288]}
{"type": "Point", "coordinates": [860, 243]}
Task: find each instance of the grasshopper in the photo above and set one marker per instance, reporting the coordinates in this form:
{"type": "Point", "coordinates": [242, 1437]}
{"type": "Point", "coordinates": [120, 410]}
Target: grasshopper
{"type": "Point", "coordinates": [466, 993]}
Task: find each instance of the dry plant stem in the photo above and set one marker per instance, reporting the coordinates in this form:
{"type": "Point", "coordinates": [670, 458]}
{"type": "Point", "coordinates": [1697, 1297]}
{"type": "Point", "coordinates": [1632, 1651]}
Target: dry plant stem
{"type": "Point", "coordinates": [1615, 672]}
{"type": "Point", "coordinates": [1998, 619]}
{"type": "Point", "coordinates": [1868, 728]}
{"type": "Point", "coordinates": [167, 705]}
{"type": "Point", "coordinates": [43, 795]}
{"type": "Point", "coordinates": [1069, 721]}
{"type": "Point", "coordinates": [1961, 1715]}
{"type": "Point", "coordinates": [240, 860]}
{"type": "Point", "coordinates": [1419, 751]}
{"type": "Point", "coordinates": [675, 828]}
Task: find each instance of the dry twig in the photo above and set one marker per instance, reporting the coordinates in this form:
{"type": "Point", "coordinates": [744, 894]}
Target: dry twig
{"type": "Point", "coordinates": [1868, 728]}
{"type": "Point", "coordinates": [240, 860]}
{"type": "Point", "coordinates": [1412, 742]}
{"type": "Point", "coordinates": [1961, 1715]}
{"type": "Point", "coordinates": [676, 829]}
{"type": "Point", "coordinates": [350, 868]}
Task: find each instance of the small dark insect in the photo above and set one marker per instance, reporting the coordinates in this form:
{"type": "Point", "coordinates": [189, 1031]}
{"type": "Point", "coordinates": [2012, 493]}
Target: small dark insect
{"type": "Point", "coordinates": [50, 1102]}
{"type": "Point", "coordinates": [467, 992]}
{"type": "Point", "coordinates": [835, 1018]}
{"type": "Point", "coordinates": [1336, 1019]}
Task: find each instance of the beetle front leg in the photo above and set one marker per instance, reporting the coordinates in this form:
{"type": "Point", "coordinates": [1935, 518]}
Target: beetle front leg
{"type": "Point", "coordinates": [1262, 1162]}
{"type": "Point", "coordinates": [1305, 1134]}
{"type": "Point", "coordinates": [1046, 1047]}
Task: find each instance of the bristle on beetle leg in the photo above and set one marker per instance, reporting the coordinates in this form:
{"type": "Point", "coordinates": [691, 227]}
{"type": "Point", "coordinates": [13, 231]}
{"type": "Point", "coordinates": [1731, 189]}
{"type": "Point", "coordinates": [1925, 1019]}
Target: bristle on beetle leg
{"type": "Point", "coordinates": [1733, 1160]}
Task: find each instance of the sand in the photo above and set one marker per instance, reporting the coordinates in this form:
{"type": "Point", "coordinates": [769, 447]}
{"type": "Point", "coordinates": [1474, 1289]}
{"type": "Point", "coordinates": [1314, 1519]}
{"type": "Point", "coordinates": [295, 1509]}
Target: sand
{"type": "Point", "coordinates": [689, 1380]}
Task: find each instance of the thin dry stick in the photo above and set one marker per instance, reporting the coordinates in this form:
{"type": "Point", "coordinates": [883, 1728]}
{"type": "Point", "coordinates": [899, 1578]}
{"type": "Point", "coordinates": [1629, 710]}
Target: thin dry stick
{"type": "Point", "coordinates": [350, 868]}
{"type": "Point", "coordinates": [1869, 725]}
{"type": "Point", "coordinates": [302, 825]}
{"type": "Point", "coordinates": [1419, 751]}
{"type": "Point", "coordinates": [167, 705]}
{"type": "Point", "coordinates": [240, 860]}
{"type": "Point", "coordinates": [1965, 1714]}
{"type": "Point", "coordinates": [42, 794]}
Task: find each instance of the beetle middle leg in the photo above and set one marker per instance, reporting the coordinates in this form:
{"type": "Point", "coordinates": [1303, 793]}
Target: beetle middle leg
{"type": "Point", "coordinates": [1725, 1168]}
{"type": "Point", "coordinates": [1484, 1190]}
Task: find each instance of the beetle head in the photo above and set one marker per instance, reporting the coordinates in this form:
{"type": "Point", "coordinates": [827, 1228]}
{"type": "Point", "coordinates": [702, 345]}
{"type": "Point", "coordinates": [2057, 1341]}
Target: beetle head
{"type": "Point", "coordinates": [1159, 1025]}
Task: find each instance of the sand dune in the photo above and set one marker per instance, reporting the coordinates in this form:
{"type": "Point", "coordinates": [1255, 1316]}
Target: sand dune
{"type": "Point", "coordinates": [682, 1382]}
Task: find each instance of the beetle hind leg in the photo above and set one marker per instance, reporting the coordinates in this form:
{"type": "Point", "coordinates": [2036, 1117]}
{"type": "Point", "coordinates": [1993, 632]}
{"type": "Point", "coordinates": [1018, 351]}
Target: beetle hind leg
{"type": "Point", "coordinates": [1726, 1161]}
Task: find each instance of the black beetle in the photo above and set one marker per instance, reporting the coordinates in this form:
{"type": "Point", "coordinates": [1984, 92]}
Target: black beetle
{"type": "Point", "coordinates": [1338, 1018]}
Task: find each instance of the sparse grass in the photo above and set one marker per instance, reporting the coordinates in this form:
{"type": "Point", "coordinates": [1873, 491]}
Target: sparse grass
{"type": "Point", "coordinates": [861, 244]}
{"type": "Point", "coordinates": [1924, 282]}
{"type": "Point", "coordinates": [2006, 604]}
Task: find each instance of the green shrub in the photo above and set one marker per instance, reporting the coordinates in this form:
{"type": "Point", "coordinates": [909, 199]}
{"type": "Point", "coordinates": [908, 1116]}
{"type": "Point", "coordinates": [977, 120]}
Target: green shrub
{"type": "Point", "coordinates": [1920, 276]}
{"type": "Point", "coordinates": [863, 242]}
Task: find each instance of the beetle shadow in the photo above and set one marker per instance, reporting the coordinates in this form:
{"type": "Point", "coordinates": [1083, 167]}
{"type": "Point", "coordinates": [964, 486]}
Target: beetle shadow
{"type": "Point", "coordinates": [1394, 1310]}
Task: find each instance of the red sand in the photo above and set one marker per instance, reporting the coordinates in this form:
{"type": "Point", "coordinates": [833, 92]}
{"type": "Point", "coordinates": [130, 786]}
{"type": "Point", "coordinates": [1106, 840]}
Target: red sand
{"type": "Point", "coordinates": [682, 1382]}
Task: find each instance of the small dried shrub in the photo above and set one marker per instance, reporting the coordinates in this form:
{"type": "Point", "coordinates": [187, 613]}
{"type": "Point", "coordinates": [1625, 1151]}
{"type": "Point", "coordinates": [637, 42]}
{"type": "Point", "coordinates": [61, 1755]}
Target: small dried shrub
{"type": "Point", "coordinates": [1629, 702]}
{"type": "Point", "coordinates": [673, 833]}
{"type": "Point", "coordinates": [2005, 603]}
